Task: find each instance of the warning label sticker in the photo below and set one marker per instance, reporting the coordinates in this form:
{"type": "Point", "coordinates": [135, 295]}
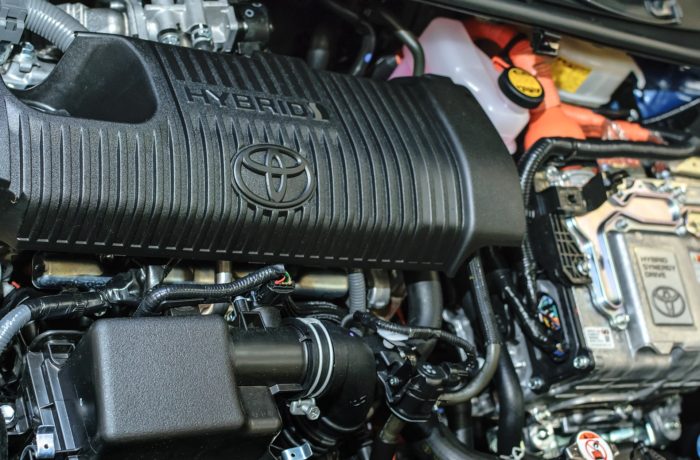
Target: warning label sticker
{"type": "Point", "coordinates": [600, 338]}
{"type": "Point", "coordinates": [592, 447]}
{"type": "Point", "coordinates": [568, 75]}
{"type": "Point", "coordinates": [663, 286]}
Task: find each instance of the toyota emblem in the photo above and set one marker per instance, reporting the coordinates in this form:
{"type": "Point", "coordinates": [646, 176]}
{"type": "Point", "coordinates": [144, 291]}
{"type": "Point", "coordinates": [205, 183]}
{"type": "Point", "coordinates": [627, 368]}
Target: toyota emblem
{"type": "Point", "coordinates": [273, 176]}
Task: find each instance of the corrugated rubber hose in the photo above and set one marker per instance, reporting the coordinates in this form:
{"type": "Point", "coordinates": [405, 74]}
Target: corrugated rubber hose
{"type": "Point", "coordinates": [357, 291]}
{"type": "Point", "coordinates": [151, 302]}
{"type": "Point", "coordinates": [52, 23]}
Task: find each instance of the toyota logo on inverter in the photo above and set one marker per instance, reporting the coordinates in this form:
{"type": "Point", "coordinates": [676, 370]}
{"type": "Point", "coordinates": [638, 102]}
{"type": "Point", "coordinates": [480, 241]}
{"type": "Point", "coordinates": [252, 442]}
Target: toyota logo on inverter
{"type": "Point", "coordinates": [273, 176]}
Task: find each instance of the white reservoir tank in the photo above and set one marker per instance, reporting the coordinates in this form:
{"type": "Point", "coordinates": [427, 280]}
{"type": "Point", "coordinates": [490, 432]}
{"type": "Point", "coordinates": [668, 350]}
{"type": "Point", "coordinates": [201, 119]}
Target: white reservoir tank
{"type": "Point", "coordinates": [449, 51]}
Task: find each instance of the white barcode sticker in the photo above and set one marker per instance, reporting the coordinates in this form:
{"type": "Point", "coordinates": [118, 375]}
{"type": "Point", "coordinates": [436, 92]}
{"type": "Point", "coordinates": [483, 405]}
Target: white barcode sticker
{"type": "Point", "coordinates": [599, 338]}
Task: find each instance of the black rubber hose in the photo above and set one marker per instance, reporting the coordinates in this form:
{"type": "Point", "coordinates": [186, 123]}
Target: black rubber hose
{"type": "Point", "coordinates": [461, 423]}
{"type": "Point", "coordinates": [72, 305]}
{"type": "Point", "coordinates": [491, 333]}
{"type": "Point", "coordinates": [319, 52]}
{"type": "Point", "coordinates": [364, 28]}
{"type": "Point", "coordinates": [407, 38]}
{"type": "Point", "coordinates": [425, 303]}
{"type": "Point", "coordinates": [570, 149]}
{"type": "Point", "coordinates": [530, 327]}
{"type": "Point", "coordinates": [205, 292]}
{"type": "Point", "coordinates": [371, 321]}
{"type": "Point", "coordinates": [511, 408]}
{"type": "Point", "coordinates": [440, 444]}
{"type": "Point", "coordinates": [482, 297]}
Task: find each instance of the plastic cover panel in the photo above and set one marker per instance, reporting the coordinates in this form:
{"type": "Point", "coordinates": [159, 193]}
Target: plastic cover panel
{"type": "Point", "coordinates": [160, 151]}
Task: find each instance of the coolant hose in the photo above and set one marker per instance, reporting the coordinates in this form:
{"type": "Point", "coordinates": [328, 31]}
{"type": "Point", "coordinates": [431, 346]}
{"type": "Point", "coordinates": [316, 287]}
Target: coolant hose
{"type": "Point", "coordinates": [569, 149]}
{"type": "Point", "coordinates": [439, 443]}
{"type": "Point", "coordinates": [52, 23]}
{"type": "Point", "coordinates": [364, 28]}
{"type": "Point", "coordinates": [12, 323]}
{"type": "Point", "coordinates": [357, 291]}
{"type": "Point", "coordinates": [206, 292]}
{"type": "Point", "coordinates": [425, 303]}
{"type": "Point", "coordinates": [491, 334]}
{"type": "Point", "coordinates": [511, 408]}
{"type": "Point", "coordinates": [408, 39]}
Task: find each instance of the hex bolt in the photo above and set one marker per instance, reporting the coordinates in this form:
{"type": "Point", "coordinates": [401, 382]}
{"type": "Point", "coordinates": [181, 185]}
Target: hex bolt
{"type": "Point", "coordinates": [582, 362]}
{"type": "Point", "coordinates": [622, 224]}
{"type": "Point", "coordinates": [620, 321]}
{"type": "Point", "coordinates": [8, 413]}
{"type": "Point", "coordinates": [535, 383]}
{"type": "Point", "coordinates": [583, 268]}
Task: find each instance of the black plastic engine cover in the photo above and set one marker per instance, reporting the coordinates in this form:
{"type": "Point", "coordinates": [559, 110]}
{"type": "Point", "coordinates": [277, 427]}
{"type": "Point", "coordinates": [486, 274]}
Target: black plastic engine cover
{"type": "Point", "coordinates": [136, 148]}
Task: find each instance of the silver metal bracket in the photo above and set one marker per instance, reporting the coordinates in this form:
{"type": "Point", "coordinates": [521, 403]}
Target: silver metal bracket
{"type": "Point", "coordinates": [298, 453]}
{"type": "Point", "coordinates": [305, 407]}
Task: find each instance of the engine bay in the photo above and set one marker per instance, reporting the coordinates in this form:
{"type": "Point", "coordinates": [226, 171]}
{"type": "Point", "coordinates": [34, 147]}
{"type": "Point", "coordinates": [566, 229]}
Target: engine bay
{"type": "Point", "coordinates": [344, 230]}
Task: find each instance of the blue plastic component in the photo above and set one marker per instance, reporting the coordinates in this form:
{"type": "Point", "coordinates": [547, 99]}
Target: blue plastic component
{"type": "Point", "coordinates": [668, 88]}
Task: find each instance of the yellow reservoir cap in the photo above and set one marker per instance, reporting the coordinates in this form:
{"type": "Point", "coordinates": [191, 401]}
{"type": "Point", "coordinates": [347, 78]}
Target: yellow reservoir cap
{"type": "Point", "coordinates": [521, 87]}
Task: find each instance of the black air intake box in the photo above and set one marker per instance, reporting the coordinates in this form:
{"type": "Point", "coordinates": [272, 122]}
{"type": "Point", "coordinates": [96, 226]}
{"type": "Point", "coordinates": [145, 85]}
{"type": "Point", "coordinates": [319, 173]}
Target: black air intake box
{"type": "Point", "coordinates": [137, 148]}
{"type": "Point", "coordinates": [159, 389]}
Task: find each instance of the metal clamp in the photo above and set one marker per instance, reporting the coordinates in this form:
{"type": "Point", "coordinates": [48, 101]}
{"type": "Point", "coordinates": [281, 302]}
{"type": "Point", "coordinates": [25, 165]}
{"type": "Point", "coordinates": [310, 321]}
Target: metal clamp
{"type": "Point", "coordinates": [298, 453]}
{"type": "Point", "coordinates": [13, 16]}
{"type": "Point", "coordinates": [45, 447]}
{"type": "Point", "coordinates": [305, 407]}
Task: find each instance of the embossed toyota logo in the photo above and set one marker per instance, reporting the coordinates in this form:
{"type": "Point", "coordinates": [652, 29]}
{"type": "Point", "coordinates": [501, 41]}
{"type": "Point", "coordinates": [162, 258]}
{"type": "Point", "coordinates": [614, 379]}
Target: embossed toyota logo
{"type": "Point", "coordinates": [668, 301]}
{"type": "Point", "coordinates": [273, 176]}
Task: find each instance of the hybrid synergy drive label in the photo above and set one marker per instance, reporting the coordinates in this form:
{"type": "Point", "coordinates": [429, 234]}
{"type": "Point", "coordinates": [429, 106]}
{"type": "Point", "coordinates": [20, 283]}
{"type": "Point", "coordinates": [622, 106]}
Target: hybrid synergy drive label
{"type": "Point", "coordinates": [663, 286]}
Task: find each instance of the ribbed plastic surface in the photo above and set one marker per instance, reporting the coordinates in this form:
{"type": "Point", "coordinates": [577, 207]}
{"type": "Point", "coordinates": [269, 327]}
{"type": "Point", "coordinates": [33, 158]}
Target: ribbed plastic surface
{"type": "Point", "coordinates": [177, 153]}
